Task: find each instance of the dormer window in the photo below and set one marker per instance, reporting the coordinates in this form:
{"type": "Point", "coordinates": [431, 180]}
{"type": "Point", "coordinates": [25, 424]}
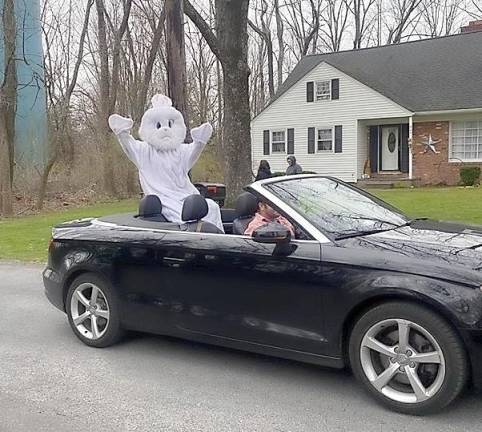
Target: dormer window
{"type": "Point", "coordinates": [323, 90]}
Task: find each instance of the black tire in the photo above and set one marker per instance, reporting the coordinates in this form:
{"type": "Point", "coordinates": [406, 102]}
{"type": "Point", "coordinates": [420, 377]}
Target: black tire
{"type": "Point", "coordinates": [113, 330]}
{"type": "Point", "coordinates": [451, 345]}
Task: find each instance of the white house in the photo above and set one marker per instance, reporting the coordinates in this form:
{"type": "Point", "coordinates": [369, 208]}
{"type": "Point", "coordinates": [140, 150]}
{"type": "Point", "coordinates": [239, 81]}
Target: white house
{"type": "Point", "coordinates": [411, 111]}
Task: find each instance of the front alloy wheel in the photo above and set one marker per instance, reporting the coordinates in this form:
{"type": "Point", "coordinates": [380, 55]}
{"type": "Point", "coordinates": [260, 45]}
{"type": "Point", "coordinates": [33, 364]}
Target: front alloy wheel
{"type": "Point", "coordinates": [403, 352]}
{"type": "Point", "coordinates": [402, 360]}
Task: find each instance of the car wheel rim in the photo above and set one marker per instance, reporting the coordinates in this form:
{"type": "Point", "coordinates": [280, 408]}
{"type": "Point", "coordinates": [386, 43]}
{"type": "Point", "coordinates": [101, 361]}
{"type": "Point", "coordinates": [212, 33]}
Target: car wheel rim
{"type": "Point", "coordinates": [403, 361]}
{"type": "Point", "coordinates": [90, 311]}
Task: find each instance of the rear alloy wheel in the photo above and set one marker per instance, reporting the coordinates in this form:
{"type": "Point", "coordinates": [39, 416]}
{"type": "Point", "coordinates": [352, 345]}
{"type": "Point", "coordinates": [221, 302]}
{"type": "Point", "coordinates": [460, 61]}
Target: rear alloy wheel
{"type": "Point", "coordinates": [408, 357]}
{"type": "Point", "coordinates": [92, 311]}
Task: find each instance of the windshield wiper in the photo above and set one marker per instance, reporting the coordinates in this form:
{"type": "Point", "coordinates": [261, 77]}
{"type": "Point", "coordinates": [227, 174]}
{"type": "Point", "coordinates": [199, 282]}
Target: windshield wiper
{"type": "Point", "coordinates": [376, 231]}
{"type": "Point", "coordinates": [362, 233]}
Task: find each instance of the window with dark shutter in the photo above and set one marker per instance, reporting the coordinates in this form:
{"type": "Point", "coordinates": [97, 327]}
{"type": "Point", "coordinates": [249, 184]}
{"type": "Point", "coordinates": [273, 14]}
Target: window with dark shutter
{"type": "Point", "coordinates": [311, 140]}
{"type": "Point", "coordinates": [335, 89]}
{"type": "Point", "coordinates": [310, 91]}
{"type": "Point", "coordinates": [338, 139]}
{"type": "Point", "coordinates": [291, 141]}
{"type": "Point", "coordinates": [266, 142]}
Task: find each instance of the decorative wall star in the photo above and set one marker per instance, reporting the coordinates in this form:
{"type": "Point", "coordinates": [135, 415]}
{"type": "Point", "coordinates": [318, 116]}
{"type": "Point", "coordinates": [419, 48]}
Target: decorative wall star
{"type": "Point", "coordinates": [429, 145]}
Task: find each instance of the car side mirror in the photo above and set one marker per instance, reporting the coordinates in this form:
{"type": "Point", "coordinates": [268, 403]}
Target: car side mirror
{"type": "Point", "coordinates": [273, 233]}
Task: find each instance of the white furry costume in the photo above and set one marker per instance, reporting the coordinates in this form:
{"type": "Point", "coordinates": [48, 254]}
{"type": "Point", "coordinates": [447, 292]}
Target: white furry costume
{"type": "Point", "coordinates": [163, 159]}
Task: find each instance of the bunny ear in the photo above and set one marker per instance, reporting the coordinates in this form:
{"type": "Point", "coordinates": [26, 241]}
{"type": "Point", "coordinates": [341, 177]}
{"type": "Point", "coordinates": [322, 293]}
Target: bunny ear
{"type": "Point", "coordinates": [159, 100]}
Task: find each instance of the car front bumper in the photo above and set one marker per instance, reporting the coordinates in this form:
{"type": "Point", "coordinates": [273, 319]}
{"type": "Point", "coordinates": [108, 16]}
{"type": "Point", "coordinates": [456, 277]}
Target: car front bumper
{"type": "Point", "coordinates": [53, 288]}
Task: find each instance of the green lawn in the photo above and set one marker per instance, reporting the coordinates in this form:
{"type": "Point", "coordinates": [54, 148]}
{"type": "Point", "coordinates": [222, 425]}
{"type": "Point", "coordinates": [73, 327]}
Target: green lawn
{"type": "Point", "coordinates": [26, 238]}
{"type": "Point", "coordinates": [450, 204]}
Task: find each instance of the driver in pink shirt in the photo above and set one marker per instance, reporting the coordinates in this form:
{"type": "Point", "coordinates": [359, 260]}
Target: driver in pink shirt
{"type": "Point", "coordinates": [264, 215]}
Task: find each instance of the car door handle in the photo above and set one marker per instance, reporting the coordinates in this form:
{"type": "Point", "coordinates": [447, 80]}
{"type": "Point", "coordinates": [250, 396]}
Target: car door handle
{"type": "Point", "coordinates": [173, 262]}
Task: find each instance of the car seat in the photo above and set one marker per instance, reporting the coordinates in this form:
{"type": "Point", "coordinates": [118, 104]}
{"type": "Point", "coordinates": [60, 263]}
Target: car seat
{"type": "Point", "coordinates": [246, 207]}
{"type": "Point", "coordinates": [194, 209]}
{"type": "Point", "coordinates": [150, 209]}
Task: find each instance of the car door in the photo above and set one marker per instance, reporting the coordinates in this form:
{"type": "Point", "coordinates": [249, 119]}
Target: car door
{"type": "Point", "coordinates": [232, 287]}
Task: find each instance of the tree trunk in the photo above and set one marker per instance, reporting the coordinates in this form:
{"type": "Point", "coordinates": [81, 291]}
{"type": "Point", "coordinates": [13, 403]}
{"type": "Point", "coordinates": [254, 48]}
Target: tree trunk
{"type": "Point", "coordinates": [176, 57]}
{"type": "Point", "coordinates": [230, 46]}
{"type": "Point", "coordinates": [8, 104]}
{"type": "Point", "coordinates": [281, 44]}
{"type": "Point", "coordinates": [104, 87]}
{"type": "Point", "coordinates": [5, 180]}
{"type": "Point", "coordinates": [232, 34]}
{"type": "Point", "coordinates": [44, 180]}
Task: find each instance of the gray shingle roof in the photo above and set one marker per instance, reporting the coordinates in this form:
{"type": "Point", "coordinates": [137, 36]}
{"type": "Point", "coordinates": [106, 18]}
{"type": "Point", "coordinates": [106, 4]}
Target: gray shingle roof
{"type": "Point", "coordinates": [428, 75]}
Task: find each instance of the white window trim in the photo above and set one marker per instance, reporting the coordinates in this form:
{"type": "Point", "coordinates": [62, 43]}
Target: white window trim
{"type": "Point", "coordinates": [456, 160]}
{"type": "Point", "coordinates": [332, 140]}
{"type": "Point", "coordinates": [271, 141]}
{"type": "Point", "coordinates": [316, 90]}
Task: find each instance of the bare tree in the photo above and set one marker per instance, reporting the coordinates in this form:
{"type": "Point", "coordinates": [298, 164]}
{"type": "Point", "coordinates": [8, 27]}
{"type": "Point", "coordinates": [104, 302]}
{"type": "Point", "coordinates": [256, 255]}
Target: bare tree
{"type": "Point", "coordinates": [59, 101]}
{"type": "Point", "coordinates": [439, 17]}
{"type": "Point", "coordinates": [474, 9]}
{"type": "Point", "coordinates": [281, 42]}
{"type": "Point", "coordinates": [401, 19]}
{"type": "Point", "coordinates": [257, 80]}
{"type": "Point", "coordinates": [334, 17]}
{"type": "Point", "coordinates": [202, 83]}
{"type": "Point", "coordinates": [139, 60]}
{"type": "Point", "coordinates": [264, 31]}
{"type": "Point", "coordinates": [108, 85]}
{"type": "Point", "coordinates": [230, 45]}
{"type": "Point", "coordinates": [363, 19]}
{"type": "Point", "coordinates": [8, 95]}
{"type": "Point", "coordinates": [303, 20]}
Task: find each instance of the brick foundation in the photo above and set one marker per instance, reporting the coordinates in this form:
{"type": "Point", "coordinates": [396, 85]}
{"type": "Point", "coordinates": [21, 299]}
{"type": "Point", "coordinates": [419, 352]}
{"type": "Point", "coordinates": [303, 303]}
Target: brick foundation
{"type": "Point", "coordinates": [430, 168]}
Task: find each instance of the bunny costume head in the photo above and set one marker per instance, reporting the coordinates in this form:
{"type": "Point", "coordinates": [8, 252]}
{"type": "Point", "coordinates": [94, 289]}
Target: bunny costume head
{"type": "Point", "coordinates": [163, 126]}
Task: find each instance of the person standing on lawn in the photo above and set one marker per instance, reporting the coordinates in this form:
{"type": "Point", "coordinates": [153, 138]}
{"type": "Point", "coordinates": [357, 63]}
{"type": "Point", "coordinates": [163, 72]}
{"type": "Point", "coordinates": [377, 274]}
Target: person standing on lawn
{"type": "Point", "coordinates": [264, 170]}
{"type": "Point", "coordinates": [293, 167]}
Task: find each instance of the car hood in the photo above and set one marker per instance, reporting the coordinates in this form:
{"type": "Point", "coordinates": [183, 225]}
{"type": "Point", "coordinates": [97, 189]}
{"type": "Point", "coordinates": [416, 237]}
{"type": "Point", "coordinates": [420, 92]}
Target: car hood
{"type": "Point", "coordinates": [446, 250]}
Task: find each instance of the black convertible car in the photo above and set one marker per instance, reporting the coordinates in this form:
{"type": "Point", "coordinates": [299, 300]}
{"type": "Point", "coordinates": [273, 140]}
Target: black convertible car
{"type": "Point", "coordinates": [399, 301]}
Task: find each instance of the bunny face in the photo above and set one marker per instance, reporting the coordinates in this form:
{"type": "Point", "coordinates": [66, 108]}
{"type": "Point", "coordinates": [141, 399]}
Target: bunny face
{"type": "Point", "coordinates": [162, 126]}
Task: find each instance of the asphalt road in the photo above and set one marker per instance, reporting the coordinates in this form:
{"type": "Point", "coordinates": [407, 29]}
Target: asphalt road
{"type": "Point", "coordinates": [50, 381]}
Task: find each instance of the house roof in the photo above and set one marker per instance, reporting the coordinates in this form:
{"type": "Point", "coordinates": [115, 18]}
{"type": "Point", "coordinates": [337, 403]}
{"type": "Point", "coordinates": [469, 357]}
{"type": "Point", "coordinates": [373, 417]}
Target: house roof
{"type": "Point", "coordinates": [437, 74]}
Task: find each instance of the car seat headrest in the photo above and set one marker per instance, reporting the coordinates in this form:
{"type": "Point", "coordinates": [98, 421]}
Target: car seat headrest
{"type": "Point", "coordinates": [246, 205]}
{"type": "Point", "coordinates": [150, 206]}
{"type": "Point", "coordinates": [194, 208]}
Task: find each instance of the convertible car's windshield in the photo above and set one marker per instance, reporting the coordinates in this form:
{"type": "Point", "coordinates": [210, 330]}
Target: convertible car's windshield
{"type": "Point", "coordinates": [336, 208]}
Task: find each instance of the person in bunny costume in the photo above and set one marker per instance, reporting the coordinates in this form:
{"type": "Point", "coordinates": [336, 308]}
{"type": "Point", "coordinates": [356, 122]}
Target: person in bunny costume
{"type": "Point", "coordinates": [163, 158]}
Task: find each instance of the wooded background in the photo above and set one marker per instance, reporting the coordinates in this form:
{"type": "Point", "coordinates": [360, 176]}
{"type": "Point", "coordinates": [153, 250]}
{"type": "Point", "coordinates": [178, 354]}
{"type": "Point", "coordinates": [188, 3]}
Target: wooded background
{"type": "Point", "coordinates": [221, 61]}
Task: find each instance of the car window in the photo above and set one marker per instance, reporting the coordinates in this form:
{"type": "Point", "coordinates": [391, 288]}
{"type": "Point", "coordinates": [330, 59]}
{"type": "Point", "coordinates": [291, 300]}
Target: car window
{"type": "Point", "coordinates": [336, 208]}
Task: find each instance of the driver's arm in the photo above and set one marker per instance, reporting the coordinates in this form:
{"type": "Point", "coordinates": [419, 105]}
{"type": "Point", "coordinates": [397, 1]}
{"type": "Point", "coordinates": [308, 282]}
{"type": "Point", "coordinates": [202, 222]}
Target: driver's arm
{"type": "Point", "coordinates": [283, 221]}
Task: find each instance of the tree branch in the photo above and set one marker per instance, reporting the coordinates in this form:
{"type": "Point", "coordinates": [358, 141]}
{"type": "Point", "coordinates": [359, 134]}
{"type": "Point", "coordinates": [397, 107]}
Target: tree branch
{"type": "Point", "coordinates": [116, 54]}
{"type": "Point", "coordinates": [256, 29]}
{"type": "Point", "coordinates": [205, 30]}
{"type": "Point", "coordinates": [78, 62]}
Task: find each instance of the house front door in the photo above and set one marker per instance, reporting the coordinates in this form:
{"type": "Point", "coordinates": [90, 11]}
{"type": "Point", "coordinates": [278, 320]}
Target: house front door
{"type": "Point", "coordinates": [389, 148]}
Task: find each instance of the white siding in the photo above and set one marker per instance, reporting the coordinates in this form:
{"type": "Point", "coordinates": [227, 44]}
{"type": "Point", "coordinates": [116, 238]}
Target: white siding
{"type": "Point", "coordinates": [291, 110]}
